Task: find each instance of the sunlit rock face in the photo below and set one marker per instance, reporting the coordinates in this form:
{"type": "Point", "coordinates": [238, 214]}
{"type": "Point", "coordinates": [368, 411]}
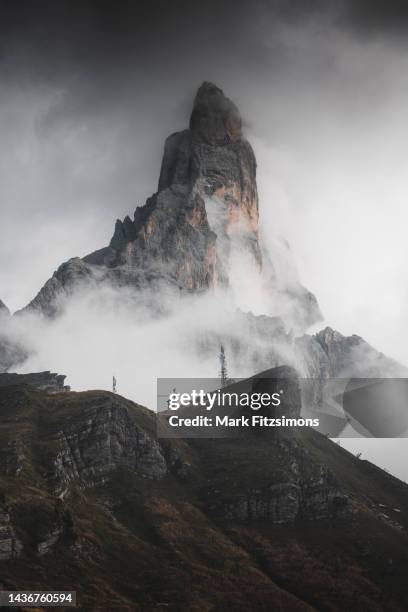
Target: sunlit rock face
{"type": "Point", "coordinates": [199, 231]}
{"type": "Point", "coordinates": [206, 197]}
{"type": "Point", "coordinates": [216, 163]}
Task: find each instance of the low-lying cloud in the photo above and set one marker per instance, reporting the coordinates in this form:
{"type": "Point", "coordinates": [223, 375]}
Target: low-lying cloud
{"type": "Point", "coordinates": [108, 332]}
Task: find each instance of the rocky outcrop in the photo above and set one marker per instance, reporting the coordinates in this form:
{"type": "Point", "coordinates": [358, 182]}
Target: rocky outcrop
{"type": "Point", "coordinates": [44, 381]}
{"type": "Point", "coordinates": [215, 161]}
{"type": "Point", "coordinates": [104, 439]}
{"type": "Point", "coordinates": [329, 354]}
{"type": "Point", "coordinates": [309, 491]}
{"type": "Point", "coordinates": [70, 276]}
{"type": "Point", "coordinates": [175, 232]}
{"type": "Point", "coordinates": [351, 355]}
{"type": "Point", "coordinates": [279, 503]}
{"type": "Point", "coordinates": [327, 361]}
{"type": "Point", "coordinates": [285, 502]}
{"type": "Point", "coordinates": [186, 235]}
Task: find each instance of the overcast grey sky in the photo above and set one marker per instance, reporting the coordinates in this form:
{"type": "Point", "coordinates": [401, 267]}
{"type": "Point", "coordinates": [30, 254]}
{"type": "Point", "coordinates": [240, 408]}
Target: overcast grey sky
{"type": "Point", "coordinates": [90, 89]}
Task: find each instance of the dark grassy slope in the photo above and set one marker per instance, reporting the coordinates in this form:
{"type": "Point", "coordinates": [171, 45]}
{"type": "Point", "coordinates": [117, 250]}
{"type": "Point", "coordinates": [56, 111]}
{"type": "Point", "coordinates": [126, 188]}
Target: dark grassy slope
{"type": "Point", "coordinates": [201, 535]}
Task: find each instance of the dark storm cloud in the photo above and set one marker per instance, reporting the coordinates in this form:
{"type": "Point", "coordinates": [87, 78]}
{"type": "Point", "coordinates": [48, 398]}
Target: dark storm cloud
{"type": "Point", "coordinates": [112, 51]}
{"type": "Point", "coordinates": [94, 34]}
{"type": "Point", "coordinates": [378, 16]}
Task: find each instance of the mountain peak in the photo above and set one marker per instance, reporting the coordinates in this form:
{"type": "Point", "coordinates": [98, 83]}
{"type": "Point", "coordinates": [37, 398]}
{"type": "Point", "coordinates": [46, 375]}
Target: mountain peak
{"type": "Point", "coordinates": [215, 119]}
{"type": "Point", "coordinates": [189, 233]}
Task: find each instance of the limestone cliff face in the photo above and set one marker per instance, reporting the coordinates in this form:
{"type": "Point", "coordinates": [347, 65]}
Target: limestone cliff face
{"type": "Point", "coordinates": [102, 441]}
{"type": "Point", "coordinates": [209, 164]}
{"type": "Point", "coordinates": [216, 162]}
{"type": "Point", "coordinates": [205, 210]}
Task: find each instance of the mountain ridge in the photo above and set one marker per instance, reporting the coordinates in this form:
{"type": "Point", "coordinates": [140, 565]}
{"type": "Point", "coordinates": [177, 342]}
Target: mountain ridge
{"type": "Point", "coordinates": [91, 500]}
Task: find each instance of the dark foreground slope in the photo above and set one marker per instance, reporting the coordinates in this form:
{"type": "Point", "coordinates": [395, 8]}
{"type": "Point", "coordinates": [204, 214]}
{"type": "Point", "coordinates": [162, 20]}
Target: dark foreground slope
{"type": "Point", "coordinates": [91, 501]}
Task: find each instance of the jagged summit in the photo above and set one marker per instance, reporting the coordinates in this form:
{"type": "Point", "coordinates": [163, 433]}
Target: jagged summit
{"type": "Point", "coordinates": [215, 119]}
{"type": "Point", "coordinates": [210, 160]}
{"type": "Point", "coordinates": [187, 234]}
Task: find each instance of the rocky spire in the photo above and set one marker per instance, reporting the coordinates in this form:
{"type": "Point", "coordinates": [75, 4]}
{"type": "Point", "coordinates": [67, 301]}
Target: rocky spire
{"type": "Point", "coordinates": [218, 165]}
{"type": "Point", "coordinates": [207, 181]}
{"type": "Point", "coordinates": [205, 210]}
{"type": "Point", "coordinates": [215, 119]}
